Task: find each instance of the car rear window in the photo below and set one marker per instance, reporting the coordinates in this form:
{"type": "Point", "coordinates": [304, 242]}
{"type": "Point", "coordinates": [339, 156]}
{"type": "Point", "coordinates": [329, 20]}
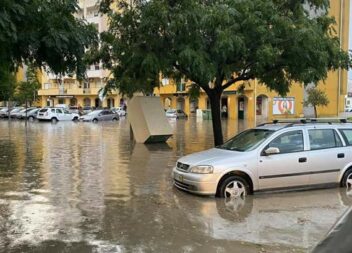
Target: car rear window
{"type": "Point", "coordinates": [43, 110]}
{"type": "Point", "coordinates": [323, 138]}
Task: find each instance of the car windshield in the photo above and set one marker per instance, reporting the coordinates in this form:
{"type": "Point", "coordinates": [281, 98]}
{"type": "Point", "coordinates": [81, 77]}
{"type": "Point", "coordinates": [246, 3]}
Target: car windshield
{"type": "Point", "coordinates": [247, 140]}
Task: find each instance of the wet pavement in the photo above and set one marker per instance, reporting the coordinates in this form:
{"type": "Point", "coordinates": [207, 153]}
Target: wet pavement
{"type": "Point", "coordinates": [83, 187]}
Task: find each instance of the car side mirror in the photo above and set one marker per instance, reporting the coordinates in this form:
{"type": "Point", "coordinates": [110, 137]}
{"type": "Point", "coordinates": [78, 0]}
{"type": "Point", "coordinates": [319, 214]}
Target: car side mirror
{"type": "Point", "coordinates": [272, 151]}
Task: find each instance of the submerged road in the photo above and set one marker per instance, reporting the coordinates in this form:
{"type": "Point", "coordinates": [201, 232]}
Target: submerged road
{"type": "Point", "coordinates": [83, 187]}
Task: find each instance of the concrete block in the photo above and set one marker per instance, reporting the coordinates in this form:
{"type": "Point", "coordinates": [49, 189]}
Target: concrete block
{"type": "Point", "coordinates": [148, 121]}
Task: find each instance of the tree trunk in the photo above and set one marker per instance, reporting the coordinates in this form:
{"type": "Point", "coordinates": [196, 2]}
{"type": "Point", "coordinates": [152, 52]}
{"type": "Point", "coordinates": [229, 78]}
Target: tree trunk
{"type": "Point", "coordinates": [214, 98]}
{"type": "Point", "coordinates": [315, 112]}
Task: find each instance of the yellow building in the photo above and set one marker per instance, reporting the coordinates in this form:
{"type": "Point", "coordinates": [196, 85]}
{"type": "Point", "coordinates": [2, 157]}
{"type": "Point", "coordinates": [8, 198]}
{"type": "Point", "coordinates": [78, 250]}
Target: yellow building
{"type": "Point", "coordinates": [67, 90]}
{"type": "Point", "coordinates": [255, 103]}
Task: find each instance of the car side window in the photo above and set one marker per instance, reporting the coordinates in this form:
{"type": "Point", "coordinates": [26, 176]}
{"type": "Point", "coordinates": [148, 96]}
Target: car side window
{"type": "Point", "coordinates": [66, 112]}
{"type": "Point", "coordinates": [288, 142]}
{"type": "Point", "coordinates": [347, 135]}
{"type": "Point", "coordinates": [53, 110]}
{"type": "Point", "coordinates": [58, 111]}
{"type": "Point", "coordinates": [323, 138]}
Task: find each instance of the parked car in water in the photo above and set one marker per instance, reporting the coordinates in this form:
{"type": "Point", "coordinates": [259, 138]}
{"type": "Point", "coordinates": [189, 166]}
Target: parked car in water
{"type": "Point", "coordinates": [14, 112]}
{"type": "Point", "coordinates": [87, 109]}
{"type": "Point", "coordinates": [22, 114]}
{"type": "Point", "coordinates": [31, 114]}
{"type": "Point", "coordinates": [4, 112]}
{"type": "Point", "coordinates": [56, 114]}
{"type": "Point", "coordinates": [271, 156]}
{"type": "Point", "coordinates": [173, 113]}
{"type": "Point", "coordinates": [100, 115]}
{"type": "Point", "coordinates": [120, 111]}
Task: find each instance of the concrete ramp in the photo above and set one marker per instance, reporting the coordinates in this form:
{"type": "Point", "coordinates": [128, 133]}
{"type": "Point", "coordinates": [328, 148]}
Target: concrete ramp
{"type": "Point", "coordinates": [148, 121]}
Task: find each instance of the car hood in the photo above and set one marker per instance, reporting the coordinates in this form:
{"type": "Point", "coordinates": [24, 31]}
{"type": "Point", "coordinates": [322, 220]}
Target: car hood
{"type": "Point", "coordinates": [213, 156]}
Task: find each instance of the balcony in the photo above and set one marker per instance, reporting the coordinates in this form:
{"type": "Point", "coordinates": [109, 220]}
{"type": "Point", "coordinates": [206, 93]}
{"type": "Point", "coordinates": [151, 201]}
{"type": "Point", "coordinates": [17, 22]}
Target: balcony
{"type": "Point", "coordinates": [48, 92]}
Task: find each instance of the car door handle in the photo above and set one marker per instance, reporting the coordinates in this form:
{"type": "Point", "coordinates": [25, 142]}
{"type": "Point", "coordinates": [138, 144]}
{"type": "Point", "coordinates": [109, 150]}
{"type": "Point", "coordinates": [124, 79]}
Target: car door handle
{"type": "Point", "coordinates": [341, 155]}
{"type": "Point", "coordinates": [302, 159]}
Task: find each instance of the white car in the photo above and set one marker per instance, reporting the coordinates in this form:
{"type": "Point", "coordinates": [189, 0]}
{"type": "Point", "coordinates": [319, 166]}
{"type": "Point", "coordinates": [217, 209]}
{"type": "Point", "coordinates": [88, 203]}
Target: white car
{"type": "Point", "coordinates": [271, 156]}
{"type": "Point", "coordinates": [120, 111]}
{"type": "Point", "coordinates": [100, 115]}
{"type": "Point", "coordinates": [56, 114]}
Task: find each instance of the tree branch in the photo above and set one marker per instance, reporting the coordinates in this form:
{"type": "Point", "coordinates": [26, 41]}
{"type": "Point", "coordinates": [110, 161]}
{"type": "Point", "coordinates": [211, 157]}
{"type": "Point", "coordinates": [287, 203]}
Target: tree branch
{"type": "Point", "coordinates": [234, 80]}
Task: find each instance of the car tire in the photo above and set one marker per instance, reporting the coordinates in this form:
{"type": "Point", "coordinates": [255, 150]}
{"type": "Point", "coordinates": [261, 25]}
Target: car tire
{"type": "Point", "coordinates": [347, 179]}
{"type": "Point", "coordinates": [233, 187]}
{"type": "Point", "coordinates": [75, 119]}
{"type": "Point", "coordinates": [54, 120]}
{"type": "Point", "coordinates": [114, 119]}
{"type": "Point", "coordinates": [95, 120]}
{"type": "Point", "coordinates": [30, 118]}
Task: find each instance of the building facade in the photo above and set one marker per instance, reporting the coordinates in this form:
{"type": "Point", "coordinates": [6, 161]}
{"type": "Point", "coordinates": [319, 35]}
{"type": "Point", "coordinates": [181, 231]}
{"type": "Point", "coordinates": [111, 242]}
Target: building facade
{"type": "Point", "coordinates": [68, 90]}
{"type": "Point", "coordinates": [253, 102]}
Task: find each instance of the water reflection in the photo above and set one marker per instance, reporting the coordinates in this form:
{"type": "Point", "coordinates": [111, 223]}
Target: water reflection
{"type": "Point", "coordinates": [86, 188]}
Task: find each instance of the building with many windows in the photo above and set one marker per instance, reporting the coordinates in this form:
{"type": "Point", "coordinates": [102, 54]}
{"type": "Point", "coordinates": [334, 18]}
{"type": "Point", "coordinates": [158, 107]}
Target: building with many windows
{"type": "Point", "coordinates": [253, 102]}
{"type": "Point", "coordinates": [67, 90]}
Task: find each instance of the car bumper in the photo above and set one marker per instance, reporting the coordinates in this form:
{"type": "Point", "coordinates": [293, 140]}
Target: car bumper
{"type": "Point", "coordinates": [202, 184]}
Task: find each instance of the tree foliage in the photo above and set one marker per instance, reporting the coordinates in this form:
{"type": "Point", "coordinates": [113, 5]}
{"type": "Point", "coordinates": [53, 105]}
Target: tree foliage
{"type": "Point", "coordinates": [45, 33]}
{"type": "Point", "coordinates": [221, 43]}
{"type": "Point", "coordinates": [7, 84]}
{"type": "Point", "coordinates": [316, 97]}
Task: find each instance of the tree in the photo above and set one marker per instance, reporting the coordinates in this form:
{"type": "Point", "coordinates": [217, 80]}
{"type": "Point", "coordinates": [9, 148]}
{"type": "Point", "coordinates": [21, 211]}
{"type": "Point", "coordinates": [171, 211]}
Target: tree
{"type": "Point", "coordinates": [27, 91]}
{"type": "Point", "coordinates": [45, 33]}
{"type": "Point", "coordinates": [316, 98]}
{"type": "Point", "coordinates": [7, 84]}
{"type": "Point", "coordinates": [219, 43]}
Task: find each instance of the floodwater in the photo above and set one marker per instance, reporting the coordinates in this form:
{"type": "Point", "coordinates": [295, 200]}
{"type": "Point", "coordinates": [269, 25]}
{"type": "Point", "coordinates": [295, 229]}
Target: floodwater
{"type": "Point", "coordinates": [84, 187]}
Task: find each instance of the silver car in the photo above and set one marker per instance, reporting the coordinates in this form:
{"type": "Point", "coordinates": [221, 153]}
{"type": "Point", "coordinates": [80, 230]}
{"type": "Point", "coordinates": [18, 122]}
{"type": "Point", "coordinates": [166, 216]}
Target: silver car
{"type": "Point", "coordinates": [100, 115]}
{"type": "Point", "coordinates": [271, 157]}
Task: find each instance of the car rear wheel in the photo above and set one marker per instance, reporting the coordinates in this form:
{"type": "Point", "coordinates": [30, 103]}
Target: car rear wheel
{"type": "Point", "coordinates": [347, 179]}
{"type": "Point", "coordinates": [233, 187]}
{"type": "Point", "coordinates": [54, 120]}
{"type": "Point", "coordinates": [114, 119]}
{"type": "Point", "coordinates": [95, 120]}
{"type": "Point", "coordinates": [75, 119]}
{"type": "Point", "coordinates": [31, 118]}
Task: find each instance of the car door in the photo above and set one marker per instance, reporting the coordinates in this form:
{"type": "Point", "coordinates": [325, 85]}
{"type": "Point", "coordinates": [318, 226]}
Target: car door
{"type": "Point", "coordinates": [103, 116]}
{"type": "Point", "coordinates": [327, 156]}
{"type": "Point", "coordinates": [67, 115]}
{"type": "Point", "coordinates": [288, 168]}
{"type": "Point", "coordinates": [60, 114]}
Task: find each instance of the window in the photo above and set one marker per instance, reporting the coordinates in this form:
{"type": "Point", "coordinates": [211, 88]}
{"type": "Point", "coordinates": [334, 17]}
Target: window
{"type": "Point", "coordinates": [323, 138]}
{"type": "Point", "coordinates": [53, 110]}
{"type": "Point", "coordinates": [58, 111]}
{"type": "Point", "coordinates": [347, 135]}
{"type": "Point", "coordinates": [288, 142]}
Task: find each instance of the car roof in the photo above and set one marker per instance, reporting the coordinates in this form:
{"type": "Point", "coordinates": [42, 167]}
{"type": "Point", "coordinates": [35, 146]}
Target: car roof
{"type": "Point", "coordinates": [306, 124]}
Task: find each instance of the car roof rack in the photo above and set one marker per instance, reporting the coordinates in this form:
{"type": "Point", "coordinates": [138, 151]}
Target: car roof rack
{"type": "Point", "coordinates": [298, 121]}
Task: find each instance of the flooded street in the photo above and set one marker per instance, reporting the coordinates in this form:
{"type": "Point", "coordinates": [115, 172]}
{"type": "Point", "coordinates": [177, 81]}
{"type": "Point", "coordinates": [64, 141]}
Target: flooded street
{"type": "Point", "coordinates": [84, 187]}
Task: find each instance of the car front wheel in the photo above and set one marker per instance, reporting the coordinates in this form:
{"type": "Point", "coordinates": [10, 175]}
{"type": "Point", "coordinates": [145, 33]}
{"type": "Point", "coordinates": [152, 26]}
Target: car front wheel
{"type": "Point", "coordinates": [233, 187]}
{"type": "Point", "coordinates": [95, 120]}
{"type": "Point", "coordinates": [54, 120]}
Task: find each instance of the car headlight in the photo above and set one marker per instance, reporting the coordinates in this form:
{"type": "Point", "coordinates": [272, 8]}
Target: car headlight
{"type": "Point", "coordinates": [202, 169]}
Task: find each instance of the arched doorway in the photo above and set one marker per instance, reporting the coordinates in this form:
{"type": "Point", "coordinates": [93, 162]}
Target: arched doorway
{"type": "Point", "coordinates": [110, 102]}
{"type": "Point", "coordinates": [86, 102]}
{"type": "Point", "coordinates": [97, 103]}
{"type": "Point", "coordinates": [242, 107]}
{"type": "Point", "coordinates": [167, 103]}
{"type": "Point", "coordinates": [224, 107]}
{"type": "Point", "coordinates": [73, 101]}
{"type": "Point", "coordinates": [262, 109]}
{"type": "Point", "coordinates": [193, 105]}
{"type": "Point", "coordinates": [180, 103]}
